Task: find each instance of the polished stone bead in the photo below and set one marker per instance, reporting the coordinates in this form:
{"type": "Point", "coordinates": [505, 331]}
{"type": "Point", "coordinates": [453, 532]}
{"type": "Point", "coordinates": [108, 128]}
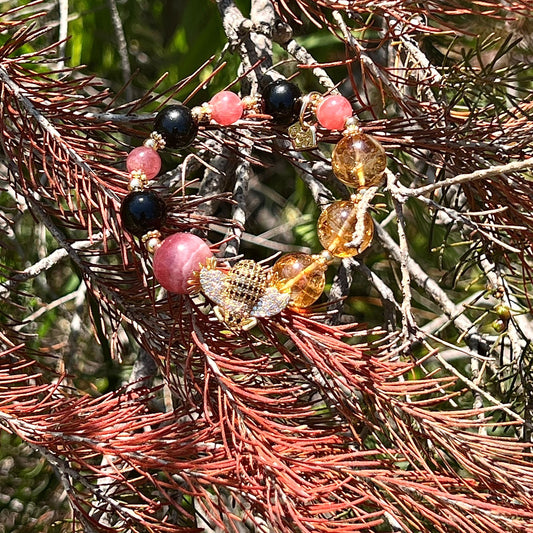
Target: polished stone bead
{"type": "Point", "coordinates": [142, 211]}
{"type": "Point", "coordinates": [176, 260]}
{"type": "Point", "coordinates": [333, 111]}
{"type": "Point", "coordinates": [281, 101]}
{"type": "Point", "coordinates": [176, 125]}
{"type": "Point", "coordinates": [145, 160]}
{"type": "Point", "coordinates": [359, 160]}
{"type": "Point", "coordinates": [302, 275]}
{"type": "Point", "coordinates": [336, 229]}
{"type": "Point", "coordinates": [226, 108]}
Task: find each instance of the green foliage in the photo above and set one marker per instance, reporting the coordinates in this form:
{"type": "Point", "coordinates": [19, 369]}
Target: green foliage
{"type": "Point", "coordinates": [32, 500]}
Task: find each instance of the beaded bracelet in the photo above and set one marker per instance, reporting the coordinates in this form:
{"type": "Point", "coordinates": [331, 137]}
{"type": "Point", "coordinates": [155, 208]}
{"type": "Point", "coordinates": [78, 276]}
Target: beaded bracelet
{"type": "Point", "coordinates": [184, 264]}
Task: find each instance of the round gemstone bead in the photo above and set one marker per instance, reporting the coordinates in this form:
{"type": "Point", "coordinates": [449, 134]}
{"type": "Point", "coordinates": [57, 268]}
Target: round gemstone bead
{"type": "Point", "coordinates": [176, 125]}
{"type": "Point", "coordinates": [176, 260]}
{"type": "Point", "coordinates": [333, 111]}
{"type": "Point", "coordinates": [302, 275]}
{"type": "Point", "coordinates": [144, 159]}
{"type": "Point", "coordinates": [142, 211]}
{"type": "Point", "coordinates": [359, 160]}
{"type": "Point", "coordinates": [280, 101]}
{"type": "Point", "coordinates": [226, 108]}
{"type": "Point", "coordinates": [336, 229]}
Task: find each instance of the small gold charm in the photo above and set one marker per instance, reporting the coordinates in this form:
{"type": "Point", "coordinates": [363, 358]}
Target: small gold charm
{"type": "Point", "coordinates": [243, 294]}
{"type": "Point", "coordinates": [303, 136]}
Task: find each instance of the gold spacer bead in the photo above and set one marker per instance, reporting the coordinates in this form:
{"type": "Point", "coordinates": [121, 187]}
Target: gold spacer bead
{"type": "Point", "coordinates": [137, 180]}
{"type": "Point", "coordinates": [326, 256]}
{"type": "Point", "coordinates": [250, 103]}
{"type": "Point", "coordinates": [202, 113]}
{"type": "Point", "coordinates": [155, 141]}
{"type": "Point", "coordinates": [150, 143]}
{"type": "Point", "coordinates": [152, 241]}
{"type": "Point", "coordinates": [314, 101]}
{"type": "Point", "coordinates": [351, 126]}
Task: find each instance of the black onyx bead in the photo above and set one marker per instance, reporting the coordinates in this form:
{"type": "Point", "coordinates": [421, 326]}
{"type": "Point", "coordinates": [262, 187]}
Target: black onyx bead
{"type": "Point", "coordinates": [176, 125]}
{"type": "Point", "coordinates": [280, 101]}
{"type": "Point", "coordinates": [142, 211]}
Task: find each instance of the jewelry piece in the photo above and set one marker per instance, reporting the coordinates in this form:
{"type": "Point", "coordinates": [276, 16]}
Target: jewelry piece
{"type": "Point", "coordinates": [183, 263]}
{"type": "Point", "coordinates": [243, 294]}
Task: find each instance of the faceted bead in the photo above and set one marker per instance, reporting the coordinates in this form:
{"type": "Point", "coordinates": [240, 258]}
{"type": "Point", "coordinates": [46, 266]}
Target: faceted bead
{"type": "Point", "coordinates": [142, 211]}
{"type": "Point", "coordinates": [176, 125]}
{"type": "Point", "coordinates": [176, 260]}
{"type": "Point", "coordinates": [146, 160]}
{"type": "Point", "coordinates": [336, 229]}
{"type": "Point", "coordinates": [302, 275]}
{"type": "Point", "coordinates": [226, 108]}
{"type": "Point", "coordinates": [359, 160]}
{"type": "Point", "coordinates": [333, 111]}
{"type": "Point", "coordinates": [280, 101]}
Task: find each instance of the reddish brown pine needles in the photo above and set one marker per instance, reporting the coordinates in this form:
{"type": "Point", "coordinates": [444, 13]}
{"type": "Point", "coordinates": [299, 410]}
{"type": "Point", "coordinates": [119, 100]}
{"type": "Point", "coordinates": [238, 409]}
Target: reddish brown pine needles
{"type": "Point", "coordinates": [302, 424]}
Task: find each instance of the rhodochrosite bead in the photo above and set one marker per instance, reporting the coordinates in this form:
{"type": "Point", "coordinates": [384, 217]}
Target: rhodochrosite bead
{"type": "Point", "coordinates": [280, 101]}
{"type": "Point", "coordinates": [177, 258]}
{"type": "Point", "coordinates": [302, 275]}
{"type": "Point", "coordinates": [146, 160]}
{"type": "Point", "coordinates": [359, 160]}
{"type": "Point", "coordinates": [336, 229]}
{"type": "Point", "coordinates": [142, 211]}
{"type": "Point", "coordinates": [226, 108]}
{"type": "Point", "coordinates": [176, 125]}
{"type": "Point", "coordinates": [333, 111]}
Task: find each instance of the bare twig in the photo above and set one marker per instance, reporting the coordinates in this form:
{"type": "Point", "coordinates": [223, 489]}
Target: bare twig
{"type": "Point", "coordinates": [122, 47]}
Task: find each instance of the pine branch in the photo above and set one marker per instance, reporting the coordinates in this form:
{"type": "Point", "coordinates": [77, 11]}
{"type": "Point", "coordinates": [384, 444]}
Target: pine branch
{"type": "Point", "coordinates": [418, 420]}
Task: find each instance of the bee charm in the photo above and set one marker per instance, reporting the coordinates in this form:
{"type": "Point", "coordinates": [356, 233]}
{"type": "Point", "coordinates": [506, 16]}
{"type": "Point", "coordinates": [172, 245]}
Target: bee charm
{"type": "Point", "coordinates": [243, 294]}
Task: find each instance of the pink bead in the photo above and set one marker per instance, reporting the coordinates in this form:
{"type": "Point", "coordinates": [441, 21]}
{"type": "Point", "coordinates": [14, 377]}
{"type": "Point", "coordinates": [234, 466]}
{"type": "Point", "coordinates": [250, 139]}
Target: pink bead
{"type": "Point", "coordinates": [333, 112]}
{"type": "Point", "coordinates": [145, 159]}
{"type": "Point", "coordinates": [177, 258]}
{"type": "Point", "coordinates": [226, 108]}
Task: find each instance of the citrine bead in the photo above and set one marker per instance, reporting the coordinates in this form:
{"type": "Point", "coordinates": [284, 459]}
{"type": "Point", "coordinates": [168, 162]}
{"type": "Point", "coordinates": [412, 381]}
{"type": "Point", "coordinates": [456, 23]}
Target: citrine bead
{"type": "Point", "coordinates": [302, 275]}
{"type": "Point", "coordinates": [359, 160]}
{"type": "Point", "coordinates": [336, 229]}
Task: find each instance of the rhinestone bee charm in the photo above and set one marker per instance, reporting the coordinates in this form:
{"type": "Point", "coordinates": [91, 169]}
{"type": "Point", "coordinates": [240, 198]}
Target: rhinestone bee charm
{"type": "Point", "coordinates": [242, 294]}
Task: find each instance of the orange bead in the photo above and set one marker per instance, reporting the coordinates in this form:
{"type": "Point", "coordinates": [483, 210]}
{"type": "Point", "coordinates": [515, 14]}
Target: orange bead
{"type": "Point", "coordinates": [302, 275]}
{"type": "Point", "coordinates": [336, 229]}
{"type": "Point", "coordinates": [359, 160]}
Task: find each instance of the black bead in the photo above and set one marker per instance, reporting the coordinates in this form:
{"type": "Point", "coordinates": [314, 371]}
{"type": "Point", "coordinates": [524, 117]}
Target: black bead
{"type": "Point", "coordinates": [142, 211]}
{"type": "Point", "coordinates": [280, 101]}
{"type": "Point", "coordinates": [176, 125]}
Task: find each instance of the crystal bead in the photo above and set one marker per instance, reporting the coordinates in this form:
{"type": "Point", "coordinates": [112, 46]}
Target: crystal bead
{"type": "Point", "coordinates": [226, 108]}
{"type": "Point", "coordinates": [333, 111]}
{"type": "Point", "coordinates": [144, 159]}
{"type": "Point", "coordinates": [302, 275]}
{"type": "Point", "coordinates": [336, 229]}
{"type": "Point", "coordinates": [177, 258]}
{"type": "Point", "coordinates": [359, 160]}
{"type": "Point", "coordinates": [280, 101]}
{"type": "Point", "coordinates": [142, 211]}
{"type": "Point", "coordinates": [176, 125]}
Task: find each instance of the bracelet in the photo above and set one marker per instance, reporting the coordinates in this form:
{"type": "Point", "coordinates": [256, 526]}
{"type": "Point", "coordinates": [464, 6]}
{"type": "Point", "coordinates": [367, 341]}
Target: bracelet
{"type": "Point", "coordinates": [183, 263]}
